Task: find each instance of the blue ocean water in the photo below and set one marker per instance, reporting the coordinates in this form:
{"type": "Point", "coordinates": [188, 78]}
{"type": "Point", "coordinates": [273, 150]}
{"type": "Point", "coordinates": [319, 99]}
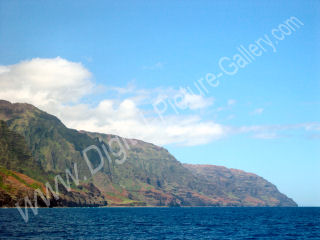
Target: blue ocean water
{"type": "Point", "coordinates": [162, 223]}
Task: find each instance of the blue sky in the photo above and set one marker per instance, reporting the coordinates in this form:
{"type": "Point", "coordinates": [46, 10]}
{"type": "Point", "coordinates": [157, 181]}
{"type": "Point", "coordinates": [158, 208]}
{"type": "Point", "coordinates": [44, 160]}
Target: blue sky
{"type": "Point", "coordinates": [263, 119]}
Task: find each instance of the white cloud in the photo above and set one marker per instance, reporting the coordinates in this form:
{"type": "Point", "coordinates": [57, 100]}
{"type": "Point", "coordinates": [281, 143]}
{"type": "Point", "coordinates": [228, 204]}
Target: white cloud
{"type": "Point", "coordinates": [231, 102]}
{"type": "Point", "coordinates": [158, 65]}
{"type": "Point", "coordinates": [229, 106]}
{"type": "Point", "coordinates": [311, 126]}
{"type": "Point", "coordinates": [232, 116]}
{"type": "Point", "coordinates": [44, 81]}
{"type": "Point", "coordinates": [276, 131]}
{"type": "Point", "coordinates": [258, 111]}
{"type": "Point", "coordinates": [265, 135]}
{"type": "Point", "coordinates": [183, 99]}
{"type": "Point", "coordinates": [127, 120]}
{"type": "Point", "coordinates": [57, 86]}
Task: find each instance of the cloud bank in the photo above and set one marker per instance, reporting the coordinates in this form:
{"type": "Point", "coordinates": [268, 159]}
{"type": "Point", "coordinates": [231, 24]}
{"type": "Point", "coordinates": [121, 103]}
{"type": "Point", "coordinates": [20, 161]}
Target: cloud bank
{"type": "Point", "coordinates": [58, 86]}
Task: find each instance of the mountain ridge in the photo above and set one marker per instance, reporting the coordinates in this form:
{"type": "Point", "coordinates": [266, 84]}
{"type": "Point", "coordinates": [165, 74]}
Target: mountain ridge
{"type": "Point", "coordinates": [149, 176]}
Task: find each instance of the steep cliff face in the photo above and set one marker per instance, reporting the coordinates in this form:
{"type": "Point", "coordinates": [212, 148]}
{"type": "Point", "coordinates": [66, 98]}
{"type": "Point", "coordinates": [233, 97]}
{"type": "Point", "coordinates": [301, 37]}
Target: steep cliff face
{"type": "Point", "coordinates": [239, 187]}
{"type": "Point", "coordinates": [150, 175]}
{"type": "Point", "coordinates": [19, 171]}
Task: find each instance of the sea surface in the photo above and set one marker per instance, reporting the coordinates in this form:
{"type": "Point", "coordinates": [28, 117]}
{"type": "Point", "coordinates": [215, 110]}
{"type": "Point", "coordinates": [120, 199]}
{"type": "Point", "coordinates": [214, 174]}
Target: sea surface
{"type": "Point", "coordinates": [162, 223]}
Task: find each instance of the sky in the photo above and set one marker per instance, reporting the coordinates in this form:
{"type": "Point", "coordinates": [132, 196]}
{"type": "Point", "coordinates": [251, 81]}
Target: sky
{"type": "Point", "coordinates": [215, 82]}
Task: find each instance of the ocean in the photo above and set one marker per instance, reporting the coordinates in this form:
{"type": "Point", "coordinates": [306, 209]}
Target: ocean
{"type": "Point", "coordinates": [162, 223]}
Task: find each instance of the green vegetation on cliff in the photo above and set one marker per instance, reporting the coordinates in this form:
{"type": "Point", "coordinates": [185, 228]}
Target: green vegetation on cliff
{"type": "Point", "coordinates": [40, 146]}
{"type": "Point", "coordinates": [22, 166]}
